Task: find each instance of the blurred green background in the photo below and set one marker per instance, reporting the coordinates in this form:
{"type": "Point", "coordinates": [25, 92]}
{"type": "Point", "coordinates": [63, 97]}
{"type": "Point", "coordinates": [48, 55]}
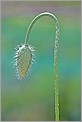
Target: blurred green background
{"type": "Point", "coordinates": [33, 97]}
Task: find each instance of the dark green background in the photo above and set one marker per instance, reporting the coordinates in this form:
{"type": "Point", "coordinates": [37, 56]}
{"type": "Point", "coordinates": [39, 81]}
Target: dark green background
{"type": "Point", "coordinates": [33, 97]}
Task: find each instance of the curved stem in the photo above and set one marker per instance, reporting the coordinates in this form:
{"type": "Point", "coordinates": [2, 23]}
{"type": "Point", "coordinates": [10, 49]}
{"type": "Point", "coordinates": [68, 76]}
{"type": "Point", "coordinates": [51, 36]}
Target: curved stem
{"type": "Point", "coordinates": [55, 56]}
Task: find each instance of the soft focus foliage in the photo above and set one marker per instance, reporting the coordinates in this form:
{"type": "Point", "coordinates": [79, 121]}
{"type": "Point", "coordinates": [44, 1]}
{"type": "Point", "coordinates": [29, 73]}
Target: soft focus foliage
{"type": "Point", "coordinates": [33, 98]}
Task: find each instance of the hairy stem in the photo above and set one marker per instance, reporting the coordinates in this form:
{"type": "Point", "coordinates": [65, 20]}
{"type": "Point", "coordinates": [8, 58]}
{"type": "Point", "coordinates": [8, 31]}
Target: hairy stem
{"type": "Point", "coordinates": [55, 56]}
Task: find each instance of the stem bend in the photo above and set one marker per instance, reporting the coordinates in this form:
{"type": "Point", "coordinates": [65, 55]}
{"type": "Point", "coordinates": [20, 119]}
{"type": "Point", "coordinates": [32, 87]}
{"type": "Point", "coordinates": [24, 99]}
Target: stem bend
{"type": "Point", "coordinates": [35, 19]}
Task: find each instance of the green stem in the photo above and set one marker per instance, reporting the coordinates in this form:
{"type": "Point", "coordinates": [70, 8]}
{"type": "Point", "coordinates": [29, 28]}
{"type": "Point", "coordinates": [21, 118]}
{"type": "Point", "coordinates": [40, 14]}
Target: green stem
{"type": "Point", "coordinates": [55, 56]}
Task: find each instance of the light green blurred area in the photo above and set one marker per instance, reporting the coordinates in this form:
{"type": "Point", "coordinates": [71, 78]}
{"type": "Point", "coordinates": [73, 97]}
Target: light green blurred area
{"type": "Point", "coordinates": [33, 97]}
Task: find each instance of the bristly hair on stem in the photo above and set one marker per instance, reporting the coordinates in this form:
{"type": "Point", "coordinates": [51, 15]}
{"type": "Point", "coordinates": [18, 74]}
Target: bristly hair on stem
{"type": "Point", "coordinates": [24, 56]}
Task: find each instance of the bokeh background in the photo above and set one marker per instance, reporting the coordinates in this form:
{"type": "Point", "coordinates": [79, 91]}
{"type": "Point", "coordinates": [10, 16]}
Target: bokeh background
{"type": "Point", "coordinates": [33, 97]}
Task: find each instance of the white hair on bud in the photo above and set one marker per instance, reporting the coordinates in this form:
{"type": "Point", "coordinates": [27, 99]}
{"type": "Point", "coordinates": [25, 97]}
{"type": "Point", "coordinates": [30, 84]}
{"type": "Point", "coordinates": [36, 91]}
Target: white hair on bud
{"type": "Point", "coordinates": [23, 58]}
